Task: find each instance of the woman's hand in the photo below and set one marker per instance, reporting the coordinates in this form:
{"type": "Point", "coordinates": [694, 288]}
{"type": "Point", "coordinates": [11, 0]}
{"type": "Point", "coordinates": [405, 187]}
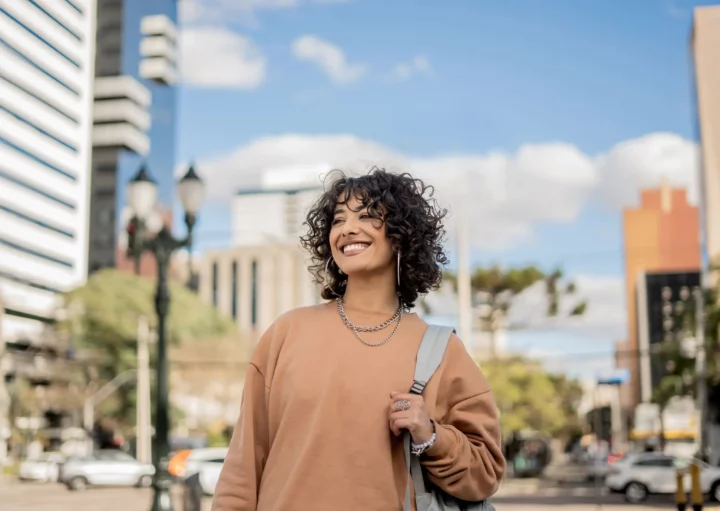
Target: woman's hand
{"type": "Point", "coordinates": [407, 411]}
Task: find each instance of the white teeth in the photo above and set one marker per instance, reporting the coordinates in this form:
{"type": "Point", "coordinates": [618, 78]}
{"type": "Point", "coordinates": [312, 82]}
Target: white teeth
{"type": "Point", "coordinates": [355, 247]}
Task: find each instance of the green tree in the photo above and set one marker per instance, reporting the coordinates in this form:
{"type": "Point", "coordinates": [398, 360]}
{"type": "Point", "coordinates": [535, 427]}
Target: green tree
{"type": "Point", "coordinates": [570, 393]}
{"type": "Point", "coordinates": [494, 289]}
{"type": "Point", "coordinates": [101, 319]}
{"type": "Point", "coordinates": [531, 398]}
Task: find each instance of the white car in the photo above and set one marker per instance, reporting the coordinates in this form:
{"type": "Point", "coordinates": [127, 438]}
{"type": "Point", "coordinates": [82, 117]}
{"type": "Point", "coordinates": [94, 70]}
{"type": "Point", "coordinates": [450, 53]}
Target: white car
{"type": "Point", "coordinates": [44, 468]}
{"type": "Point", "coordinates": [107, 467]}
{"type": "Point", "coordinates": [206, 462]}
{"type": "Point", "coordinates": [209, 475]}
{"type": "Point", "coordinates": [642, 474]}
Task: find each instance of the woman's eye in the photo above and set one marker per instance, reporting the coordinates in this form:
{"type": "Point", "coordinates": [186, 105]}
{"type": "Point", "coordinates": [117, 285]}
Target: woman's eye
{"type": "Point", "coordinates": [336, 221]}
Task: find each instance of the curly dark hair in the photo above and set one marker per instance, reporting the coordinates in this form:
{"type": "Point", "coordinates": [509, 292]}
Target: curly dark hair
{"type": "Point", "coordinates": [413, 224]}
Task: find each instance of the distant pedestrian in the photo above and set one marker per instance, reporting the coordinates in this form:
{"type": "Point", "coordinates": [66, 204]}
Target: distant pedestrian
{"type": "Point", "coordinates": [326, 397]}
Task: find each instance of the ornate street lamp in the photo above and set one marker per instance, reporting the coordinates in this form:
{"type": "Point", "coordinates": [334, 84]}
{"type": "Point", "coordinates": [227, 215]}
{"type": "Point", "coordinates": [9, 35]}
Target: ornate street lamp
{"type": "Point", "coordinates": [192, 194]}
{"type": "Point", "coordinates": [142, 197]}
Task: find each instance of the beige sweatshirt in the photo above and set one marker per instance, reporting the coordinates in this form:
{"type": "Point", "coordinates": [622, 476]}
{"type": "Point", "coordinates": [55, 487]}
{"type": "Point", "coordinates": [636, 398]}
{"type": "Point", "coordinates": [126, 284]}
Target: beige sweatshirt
{"type": "Point", "coordinates": [313, 432]}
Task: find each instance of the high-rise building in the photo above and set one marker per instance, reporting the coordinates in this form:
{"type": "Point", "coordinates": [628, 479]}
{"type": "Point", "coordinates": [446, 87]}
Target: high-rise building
{"type": "Point", "coordinates": [706, 50]}
{"type": "Point", "coordinates": [47, 65]}
{"type": "Point", "coordinates": [654, 291]}
{"type": "Point", "coordinates": [661, 235]}
{"type": "Point", "coordinates": [134, 113]}
{"type": "Point", "coordinates": [270, 215]}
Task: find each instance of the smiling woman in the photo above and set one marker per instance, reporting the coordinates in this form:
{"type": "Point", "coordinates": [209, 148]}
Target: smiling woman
{"type": "Point", "coordinates": [327, 421]}
{"type": "Point", "coordinates": [393, 214]}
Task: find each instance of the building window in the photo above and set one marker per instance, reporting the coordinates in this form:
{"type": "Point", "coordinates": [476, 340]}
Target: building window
{"type": "Point", "coordinates": [37, 97]}
{"type": "Point", "coordinates": [38, 67]}
{"type": "Point", "coordinates": [233, 290]}
{"type": "Point", "coordinates": [11, 179]}
{"type": "Point", "coordinates": [104, 193]}
{"type": "Point", "coordinates": [60, 24]}
{"type": "Point", "coordinates": [36, 253]}
{"type": "Point", "coordinates": [215, 284]}
{"type": "Point", "coordinates": [42, 40]}
{"type": "Point", "coordinates": [106, 217]}
{"type": "Point", "coordinates": [40, 223]}
{"type": "Point", "coordinates": [106, 168]}
{"type": "Point", "coordinates": [36, 158]}
{"type": "Point", "coordinates": [253, 305]}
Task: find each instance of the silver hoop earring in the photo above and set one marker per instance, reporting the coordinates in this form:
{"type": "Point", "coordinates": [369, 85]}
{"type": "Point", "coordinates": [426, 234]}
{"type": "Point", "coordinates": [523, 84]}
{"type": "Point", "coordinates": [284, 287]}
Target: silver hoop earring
{"type": "Point", "coordinates": [398, 271]}
{"type": "Point", "coordinates": [327, 277]}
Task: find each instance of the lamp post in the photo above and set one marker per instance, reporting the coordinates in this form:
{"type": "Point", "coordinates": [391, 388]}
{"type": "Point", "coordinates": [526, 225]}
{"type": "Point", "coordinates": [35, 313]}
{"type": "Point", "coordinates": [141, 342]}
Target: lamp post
{"type": "Point", "coordinates": [141, 197]}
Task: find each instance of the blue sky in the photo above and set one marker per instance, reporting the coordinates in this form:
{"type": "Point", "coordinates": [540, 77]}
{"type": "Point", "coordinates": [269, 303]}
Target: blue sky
{"type": "Point", "coordinates": [502, 74]}
{"type": "Point", "coordinates": [505, 73]}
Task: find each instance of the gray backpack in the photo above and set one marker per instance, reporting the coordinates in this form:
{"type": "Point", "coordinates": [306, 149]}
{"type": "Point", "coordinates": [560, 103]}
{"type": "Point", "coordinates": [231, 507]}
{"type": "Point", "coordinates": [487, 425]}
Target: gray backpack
{"type": "Point", "coordinates": [430, 355]}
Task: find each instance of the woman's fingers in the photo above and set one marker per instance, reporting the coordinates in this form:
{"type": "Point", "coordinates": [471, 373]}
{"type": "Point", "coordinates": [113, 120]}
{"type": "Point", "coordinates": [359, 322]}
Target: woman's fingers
{"type": "Point", "coordinates": [399, 424]}
{"type": "Point", "coordinates": [405, 411]}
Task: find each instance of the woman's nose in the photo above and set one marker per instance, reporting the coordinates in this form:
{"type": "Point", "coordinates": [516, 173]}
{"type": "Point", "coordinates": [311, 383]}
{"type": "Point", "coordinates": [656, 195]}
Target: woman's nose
{"type": "Point", "coordinates": [349, 227]}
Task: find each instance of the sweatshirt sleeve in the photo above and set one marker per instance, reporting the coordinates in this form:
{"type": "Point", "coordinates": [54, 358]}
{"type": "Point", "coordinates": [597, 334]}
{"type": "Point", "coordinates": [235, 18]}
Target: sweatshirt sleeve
{"type": "Point", "coordinates": [466, 459]}
{"type": "Point", "coordinates": [239, 481]}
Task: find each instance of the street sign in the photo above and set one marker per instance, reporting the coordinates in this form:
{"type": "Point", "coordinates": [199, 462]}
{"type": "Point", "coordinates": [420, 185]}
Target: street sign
{"type": "Point", "coordinates": [616, 377]}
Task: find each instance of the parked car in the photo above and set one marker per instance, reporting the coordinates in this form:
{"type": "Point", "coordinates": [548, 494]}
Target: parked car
{"type": "Point", "coordinates": [206, 462]}
{"type": "Point", "coordinates": [45, 468]}
{"type": "Point", "coordinates": [642, 474]}
{"type": "Point", "coordinates": [598, 468]}
{"type": "Point", "coordinates": [105, 468]}
{"type": "Point", "coordinates": [188, 461]}
{"type": "Point", "coordinates": [209, 473]}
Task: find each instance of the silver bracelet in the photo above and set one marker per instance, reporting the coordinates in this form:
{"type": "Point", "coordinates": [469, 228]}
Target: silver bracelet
{"type": "Point", "coordinates": [418, 449]}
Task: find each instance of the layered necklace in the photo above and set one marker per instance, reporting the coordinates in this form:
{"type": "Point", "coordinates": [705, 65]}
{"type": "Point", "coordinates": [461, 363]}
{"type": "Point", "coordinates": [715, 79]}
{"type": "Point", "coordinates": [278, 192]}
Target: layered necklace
{"type": "Point", "coordinates": [357, 329]}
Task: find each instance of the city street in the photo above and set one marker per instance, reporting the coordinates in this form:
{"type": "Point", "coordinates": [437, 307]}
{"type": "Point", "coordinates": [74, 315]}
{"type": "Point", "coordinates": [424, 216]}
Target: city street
{"type": "Point", "coordinates": [514, 496]}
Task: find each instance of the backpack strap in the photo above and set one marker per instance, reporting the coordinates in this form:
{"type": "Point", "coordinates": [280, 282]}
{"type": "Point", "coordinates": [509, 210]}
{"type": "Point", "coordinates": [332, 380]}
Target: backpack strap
{"type": "Point", "coordinates": [429, 357]}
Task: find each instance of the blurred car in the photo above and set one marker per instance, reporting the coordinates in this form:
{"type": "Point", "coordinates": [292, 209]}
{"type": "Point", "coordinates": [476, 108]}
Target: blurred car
{"type": "Point", "coordinates": [598, 468]}
{"type": "Point", "coordinates": [615, 456]}
{"type": "Point", "coordinates": [209, 473]}
{"type": "Point", "coordinates": [188, 461]}
{"type": "Point", "coordinates": [643, 474]}
{"type": "Point", "coordinates": [205, 462]}
{"type": "Point", "coordinates": [45, 468]}
{"type": "Point", "coordinates": [105, 468]}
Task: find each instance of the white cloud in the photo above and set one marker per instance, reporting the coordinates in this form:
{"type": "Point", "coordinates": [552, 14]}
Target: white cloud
{"type": "Point", "coordinates": [213, 56]}
{"type": "Point", "coordinates": [643, 162]}
{"type": "Point", "coordinates": [507, 194]}
{"type": "Point", "coordinates": [406, 70]}
{"type": "Point", "coordinates": [242, 11]}
{"type": "Point", "coordinates": [329, 57]}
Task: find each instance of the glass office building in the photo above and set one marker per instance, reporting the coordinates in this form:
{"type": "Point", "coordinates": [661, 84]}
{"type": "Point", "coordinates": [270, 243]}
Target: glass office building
{"type": "Point", "coordinates": [135, 113]}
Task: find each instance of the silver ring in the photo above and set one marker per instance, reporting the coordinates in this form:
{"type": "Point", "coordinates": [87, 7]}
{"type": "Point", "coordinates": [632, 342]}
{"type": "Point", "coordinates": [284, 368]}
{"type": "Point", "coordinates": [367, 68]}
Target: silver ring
{"type": "Point", "coordinates": [403, 404]}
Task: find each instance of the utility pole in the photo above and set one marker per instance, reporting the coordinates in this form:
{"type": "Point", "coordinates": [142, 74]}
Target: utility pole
{"type": "Point", "coordinates": [700, 369]}
{"type": "Point", "coordinates": [464, 290]}
{"type": "Point", "coordinates": [143, 436]}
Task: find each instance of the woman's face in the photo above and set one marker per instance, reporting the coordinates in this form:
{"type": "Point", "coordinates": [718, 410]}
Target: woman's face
{"type": "Point", "coordinates": [358, 241]}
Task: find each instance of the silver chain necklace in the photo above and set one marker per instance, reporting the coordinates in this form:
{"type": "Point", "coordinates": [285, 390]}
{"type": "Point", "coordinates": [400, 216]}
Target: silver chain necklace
{"type": "Point", "coordinates": [357, 329]}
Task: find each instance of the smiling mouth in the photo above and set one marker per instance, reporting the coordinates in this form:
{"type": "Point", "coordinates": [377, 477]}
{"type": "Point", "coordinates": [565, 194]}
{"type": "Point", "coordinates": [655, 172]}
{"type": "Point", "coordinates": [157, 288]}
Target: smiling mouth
{"type": "Point", "coordinates": [354, 248]}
